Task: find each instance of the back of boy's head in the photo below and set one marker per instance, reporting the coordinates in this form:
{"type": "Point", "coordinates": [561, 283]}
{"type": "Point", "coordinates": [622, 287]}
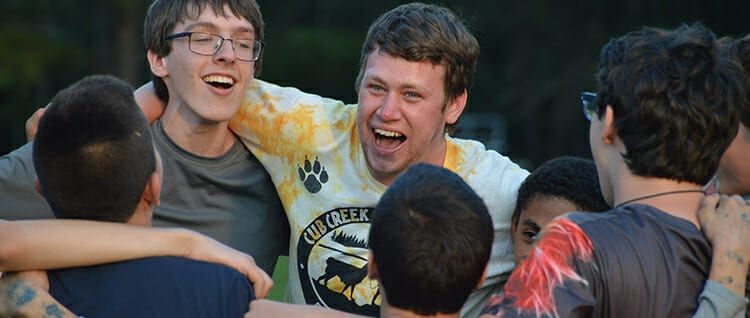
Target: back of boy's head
{"type": "Point", "coordinates": [164, 15]}
{"type": "Point", "coordinates": [570, 178]}
{"type": "Point", "coordinates": [93, 152]}
{"type": "Point", "coordinates": [675, 100]}
{"type": "Point", "coordinates": [431, 238]}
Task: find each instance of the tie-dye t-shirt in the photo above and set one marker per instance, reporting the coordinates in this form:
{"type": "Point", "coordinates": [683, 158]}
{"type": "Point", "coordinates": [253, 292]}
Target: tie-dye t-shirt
{"type": "Point", "coordinates": [633, 261]}
{"type": "Point", "coordinates": [311, 149]}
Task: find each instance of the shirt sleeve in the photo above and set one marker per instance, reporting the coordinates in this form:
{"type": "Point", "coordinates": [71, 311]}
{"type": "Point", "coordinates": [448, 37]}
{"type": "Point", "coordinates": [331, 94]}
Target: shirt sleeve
{"type": "Point", "coordinates": [17, 191]}
{"type": "Point", "coordinates": [718, 301]}
{"type": "Point", "coordinates": [553, 281]}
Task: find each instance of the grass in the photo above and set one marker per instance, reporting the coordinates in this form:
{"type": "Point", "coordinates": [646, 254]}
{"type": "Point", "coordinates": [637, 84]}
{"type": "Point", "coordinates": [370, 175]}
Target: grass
{"type": "Point", "coordinates": [280, 279]}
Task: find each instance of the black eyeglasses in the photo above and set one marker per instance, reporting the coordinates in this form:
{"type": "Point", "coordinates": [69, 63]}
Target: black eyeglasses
{"type": "Point", "coordinates": [588, 101]}
{"type": "Point", "coordinates": [208, 44]}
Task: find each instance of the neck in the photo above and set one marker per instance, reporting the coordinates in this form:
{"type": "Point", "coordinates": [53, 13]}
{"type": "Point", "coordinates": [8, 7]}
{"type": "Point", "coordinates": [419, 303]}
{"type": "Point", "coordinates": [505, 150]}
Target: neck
{"type": "Point", "coordinates": [142, 215]}
{"type": "Point", "coordinates": [195, 135]}
{"type": "Point", "coordinates": [680, 199]}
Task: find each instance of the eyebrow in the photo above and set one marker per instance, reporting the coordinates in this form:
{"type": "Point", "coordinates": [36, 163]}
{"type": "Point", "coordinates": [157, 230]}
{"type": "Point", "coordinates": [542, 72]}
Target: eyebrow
{"type": "Point", "coordinates": [407, 86]}
{"type": "Point", "coordinates": [533, 225]}
{"type": "Point", "coordinates": [210, 25]}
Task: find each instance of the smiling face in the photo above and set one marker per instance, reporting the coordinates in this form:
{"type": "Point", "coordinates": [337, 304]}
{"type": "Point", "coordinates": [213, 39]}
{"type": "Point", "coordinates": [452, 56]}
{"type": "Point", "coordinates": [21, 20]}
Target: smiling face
{"type": "Point", "coordinates": [539, 211]}
{"type": "Point", "coordinates": [207, 89]}
{"type": "Point", "coordinates": [402, 114]}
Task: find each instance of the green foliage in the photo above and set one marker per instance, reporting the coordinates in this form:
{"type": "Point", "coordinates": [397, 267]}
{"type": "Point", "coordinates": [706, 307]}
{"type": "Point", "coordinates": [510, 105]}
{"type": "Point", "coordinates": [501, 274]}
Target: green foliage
{"type": "Point", "coordinates": [537, 55]}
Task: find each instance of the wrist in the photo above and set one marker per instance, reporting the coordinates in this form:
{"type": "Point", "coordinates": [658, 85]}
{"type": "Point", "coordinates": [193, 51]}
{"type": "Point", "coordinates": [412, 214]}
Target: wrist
{"type": "Point", "coordinates": [729, 269]}
{"type": "Point", "coordinates": [182, 242]}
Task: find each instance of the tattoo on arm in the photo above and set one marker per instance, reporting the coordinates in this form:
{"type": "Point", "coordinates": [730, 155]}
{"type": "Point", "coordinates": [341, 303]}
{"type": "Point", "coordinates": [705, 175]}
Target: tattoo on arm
{"type": "Point", "coordinates": [20, 294]}
{"type": "Point", "coordinates": [53, 311]}
{"type": "Point", "coordinates": [25, 301]}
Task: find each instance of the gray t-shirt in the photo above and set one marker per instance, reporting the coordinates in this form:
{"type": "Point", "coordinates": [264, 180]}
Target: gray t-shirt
{"type": "Point", "coordinates": [18, 196]}
{"type": "Point", "coordinates": [230, 198]}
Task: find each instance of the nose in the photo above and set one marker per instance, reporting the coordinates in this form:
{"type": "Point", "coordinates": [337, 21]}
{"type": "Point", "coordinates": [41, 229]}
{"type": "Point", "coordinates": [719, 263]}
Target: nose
{"type": "Point", "coordinates": [225, 52]}
{"type": "Point", "coordinates": [390, 107]}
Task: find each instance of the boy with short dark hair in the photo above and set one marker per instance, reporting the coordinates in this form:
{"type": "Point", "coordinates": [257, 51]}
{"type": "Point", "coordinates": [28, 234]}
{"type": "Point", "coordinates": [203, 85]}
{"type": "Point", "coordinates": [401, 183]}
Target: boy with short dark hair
{"type": "Point", "coordinates": [666, 111]}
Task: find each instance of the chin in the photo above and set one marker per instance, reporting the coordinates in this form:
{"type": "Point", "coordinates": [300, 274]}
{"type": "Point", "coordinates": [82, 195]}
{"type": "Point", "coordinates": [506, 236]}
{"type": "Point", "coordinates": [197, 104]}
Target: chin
{"type": "Point", "coordinates": [383, 169]}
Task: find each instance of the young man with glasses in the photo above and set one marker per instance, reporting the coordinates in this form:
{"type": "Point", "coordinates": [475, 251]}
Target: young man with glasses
{"type": "Point", "coordinates": [665, 112]}
{"type": "Point", "coordinates": [203, 55]}
{"type": "Point", "coordinates": [331, 162]}
{"type": "Point", "coordinates": [728, 231]}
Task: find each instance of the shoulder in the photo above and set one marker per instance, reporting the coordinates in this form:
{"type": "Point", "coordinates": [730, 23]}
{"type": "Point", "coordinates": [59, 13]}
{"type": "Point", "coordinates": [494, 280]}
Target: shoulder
{"type": "Point", "coordinates": [471, 156]}
{"type": "Point", "coordinates": [19, 160]}
{"type": "Point", "coordinates": [491, 174]}
{"type": "Point", "coordinates": [261, 91]}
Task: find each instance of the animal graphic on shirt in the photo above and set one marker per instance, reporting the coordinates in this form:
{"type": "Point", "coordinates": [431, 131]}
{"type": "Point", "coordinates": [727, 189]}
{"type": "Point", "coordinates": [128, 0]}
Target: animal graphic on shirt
{"type": "Point", "coordinates": [313, 175]}
{"type": "Point", "coordinates": [333, 261]}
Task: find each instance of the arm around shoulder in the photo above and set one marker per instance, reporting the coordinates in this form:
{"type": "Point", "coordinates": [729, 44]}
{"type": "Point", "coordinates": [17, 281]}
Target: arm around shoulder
{"type": "Point", "coordinates": [49, 244]}
{"type": "Point", "coordinates": [151, 105]}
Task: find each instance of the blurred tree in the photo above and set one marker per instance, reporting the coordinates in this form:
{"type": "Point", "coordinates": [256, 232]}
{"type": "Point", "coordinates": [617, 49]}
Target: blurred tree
{"type": "Point", "coordinates": [537, 55]}
{"type": "Point", "coordinates": [48, 44]}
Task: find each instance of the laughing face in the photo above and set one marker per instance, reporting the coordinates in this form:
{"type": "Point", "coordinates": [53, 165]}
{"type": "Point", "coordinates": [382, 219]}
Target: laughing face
{"type": "Point", "coordinates": [402, 114]}
{"type": "Point", "coordinates": [206, 89]}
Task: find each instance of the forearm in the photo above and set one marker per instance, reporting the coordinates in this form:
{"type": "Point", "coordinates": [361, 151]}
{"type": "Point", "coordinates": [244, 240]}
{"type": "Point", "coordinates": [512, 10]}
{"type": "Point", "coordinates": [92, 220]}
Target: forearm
{"type": "Point", "coordinates": [729, 268]}
{"type": "Point", "coordinates": [268, 308]}
{"type": "Point", "coordinates": [49, 244]}
{"type": "Point", "coordinates": [21, 299]}
{"type": "Point", "coordinates": [724, 292]}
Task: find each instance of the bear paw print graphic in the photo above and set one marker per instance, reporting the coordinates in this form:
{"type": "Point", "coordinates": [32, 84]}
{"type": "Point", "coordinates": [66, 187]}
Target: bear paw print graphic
{"type": "Point", "coordinates": [313, 175]}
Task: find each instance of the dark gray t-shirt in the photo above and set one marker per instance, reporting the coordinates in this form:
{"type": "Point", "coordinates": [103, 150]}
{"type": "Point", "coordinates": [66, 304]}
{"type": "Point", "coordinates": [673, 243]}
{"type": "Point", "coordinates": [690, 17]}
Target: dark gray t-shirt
{"type": "Point", "coordinates": [632, 261]}
{"type": "Point", "coordinates": [18, 197]}
{"type": "Point", "coordinates": [230, 198]}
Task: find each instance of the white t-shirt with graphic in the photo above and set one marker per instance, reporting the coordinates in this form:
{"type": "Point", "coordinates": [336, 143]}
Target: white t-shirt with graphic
{"type": "Point", "coordinates": [310, 147]}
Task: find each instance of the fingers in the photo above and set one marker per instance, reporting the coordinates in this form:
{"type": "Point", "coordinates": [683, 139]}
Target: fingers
{"type": "Point", "coordinates": [707, 207]}
{"type": "Point", "coordinates": [733, 203]}
{"type": "Point", "coordinates": [262, 283]}
{"type": "Point", "coordinates": [33, 123]}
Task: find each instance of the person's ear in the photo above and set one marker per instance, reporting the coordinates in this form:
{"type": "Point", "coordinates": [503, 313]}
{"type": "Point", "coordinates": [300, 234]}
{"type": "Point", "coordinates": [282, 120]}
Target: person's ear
{"type": "Point", "coordinates": [483, 278]}
{"type": "Point", "coordinates": [152, 191]}
{"type": "Point", "coordinates": [158, 64]}
{"type": "Point", "coordinates": [372, 268]}
{"type": "Point", "coordinates": [455, 108]}
{"type": "Point", "coordinates": [609, 130]}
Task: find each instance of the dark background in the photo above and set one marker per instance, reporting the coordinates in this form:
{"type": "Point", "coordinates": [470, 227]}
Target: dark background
{"type": "Point", "coordinates": [537, 55]}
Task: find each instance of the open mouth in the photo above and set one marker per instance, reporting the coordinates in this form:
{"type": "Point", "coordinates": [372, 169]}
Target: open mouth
{"type": "Point", "coordinates": [223, 82]}
{"type": "Point", "coordinates": [388, 139]}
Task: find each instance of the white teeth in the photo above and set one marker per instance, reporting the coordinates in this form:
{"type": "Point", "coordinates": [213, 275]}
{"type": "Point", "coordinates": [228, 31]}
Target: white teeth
{"type": "Point", "coordinates": [387, 133]}
{"type": "Point", "coordinates": [218, 79]}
